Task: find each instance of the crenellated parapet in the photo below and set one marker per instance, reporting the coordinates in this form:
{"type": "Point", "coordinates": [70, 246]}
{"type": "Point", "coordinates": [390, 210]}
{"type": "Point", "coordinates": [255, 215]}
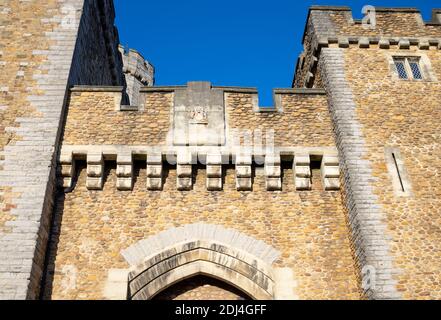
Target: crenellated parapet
{"type": "Point", "coordinates": [138, 73]}
{"type": "Point", "coordinates": [383, 28]}
{"type": "Point", "coordinates": [199, 125]}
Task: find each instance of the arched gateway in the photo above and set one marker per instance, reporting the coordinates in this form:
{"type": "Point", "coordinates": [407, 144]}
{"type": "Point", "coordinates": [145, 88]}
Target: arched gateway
{"type": "Point", "coordinates": [207, 250]}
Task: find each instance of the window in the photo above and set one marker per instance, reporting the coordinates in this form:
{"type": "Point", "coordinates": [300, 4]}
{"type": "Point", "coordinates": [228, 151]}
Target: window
{"type": "Point", "coordinates": [408, 68]}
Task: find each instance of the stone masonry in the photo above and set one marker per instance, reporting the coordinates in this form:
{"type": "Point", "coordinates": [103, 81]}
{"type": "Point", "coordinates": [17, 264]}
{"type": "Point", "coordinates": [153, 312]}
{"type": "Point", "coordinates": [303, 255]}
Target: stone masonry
{"type": "Point", "coordinates": [113, 188]}
{"type": "Point", "coordinates": [62, 43]}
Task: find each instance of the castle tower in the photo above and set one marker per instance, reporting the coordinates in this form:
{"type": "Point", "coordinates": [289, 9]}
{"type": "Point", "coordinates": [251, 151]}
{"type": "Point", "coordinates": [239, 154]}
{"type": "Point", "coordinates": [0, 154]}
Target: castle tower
{"type": "Point", "coordinates": [138, 73]}
{"type": "Point", "coordinates": [382, 77]}
{"type": "Point", "coordinates": [195, 191]}
{"type": "Point", "coordinates": [62, 43]}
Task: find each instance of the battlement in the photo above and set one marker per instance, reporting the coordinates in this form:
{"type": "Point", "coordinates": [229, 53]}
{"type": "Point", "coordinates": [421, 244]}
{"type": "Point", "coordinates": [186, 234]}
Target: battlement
{"type": "Point", "coordinates": [383, 28]}
{"type": "Point", "coordinates": [387, 22]}
{"type": "Point", "coordinates": [223, 125]}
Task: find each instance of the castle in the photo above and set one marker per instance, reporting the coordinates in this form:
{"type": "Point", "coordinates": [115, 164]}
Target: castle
{"type": "Point", "coordinates": [112, 188]}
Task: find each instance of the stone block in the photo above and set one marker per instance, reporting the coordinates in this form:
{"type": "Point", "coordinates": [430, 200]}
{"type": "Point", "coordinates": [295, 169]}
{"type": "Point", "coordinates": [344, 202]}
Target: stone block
{"type": "Point", "coordinates": [124, 170]}
{"type": "Point", "coordinates": [154, 184]}
{"type": "Point", "coordinates": [303, 172]}
{"type": "Point", "coordinates": [95, 170]}
{"type": "Point", "coordinates": [214, 159]}
{"type": "Point", "coordinates": [244, 184]}
{"type": "Point", "coordinates": [124, 184]}
{"type": "Point", "coordinates": [332, 184]}
{"type": "Point", "coordinates": [94, 183]}
{"type": "Point", "coordinates": [273, 171]}
{"type": "Point", "coordinates": [273, 184]}
{"type": "Point", "coordinates": [243, 171]}
{"type": "Point", "coordinates": [184, 184]}
{"type": "Point", "coordinates": [154, 159]}
{"type": "Point", "coordinates": [303, 184]}
{"type": "Point", "coordinates": [214, 184]}
{"type": "Point", "coordinates": [331, 172]}
{"type": "Point", "coordinates": [184, 170]}
{"type": "Point", "coordinates": [214, 171]}
{"type": "Point", "coordinates": [154, 171]}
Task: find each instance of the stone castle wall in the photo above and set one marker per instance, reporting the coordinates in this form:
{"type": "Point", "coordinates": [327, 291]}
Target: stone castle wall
{"type": "Point", "coordinates": [307, 227]}
{"type": "Point", "coordinates": [93, 114]}
{"type": "Point", "coordinates": [148, 185]}
{"type": "Point", "coordinates": [38, 64]}
{"type": "Point", "coordinates": [94, 227]}
{"type": "Point", "coordinates": [403, 115]}
{"type": "Point", "coordinates": [379, 119]}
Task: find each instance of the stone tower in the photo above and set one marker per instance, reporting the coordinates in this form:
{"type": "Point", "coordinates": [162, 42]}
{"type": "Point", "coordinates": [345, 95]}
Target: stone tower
{"type": "Point", "coordinates": [62, 43]}
{"type": "Point", "coordinates": [382, 77]}
{"type": "Point", "coordinates": [112, 188]}
{"type": "Point", "coordinates": [138, 73]}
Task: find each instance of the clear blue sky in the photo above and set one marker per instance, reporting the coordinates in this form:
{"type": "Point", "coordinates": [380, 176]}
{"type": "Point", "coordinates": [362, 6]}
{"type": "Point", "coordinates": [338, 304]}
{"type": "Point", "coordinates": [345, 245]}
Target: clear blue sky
{"type": "Point", "coordinates": [251, 43]}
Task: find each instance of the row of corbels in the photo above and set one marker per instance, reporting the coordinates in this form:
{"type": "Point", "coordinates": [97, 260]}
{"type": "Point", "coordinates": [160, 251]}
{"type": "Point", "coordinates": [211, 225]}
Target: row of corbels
{"type": "Point", "coordinates": [366, 42]}
{"type": "Point", "coordinates": [330, 172]}
{"type": "Point", "coordinates": [383, 43]}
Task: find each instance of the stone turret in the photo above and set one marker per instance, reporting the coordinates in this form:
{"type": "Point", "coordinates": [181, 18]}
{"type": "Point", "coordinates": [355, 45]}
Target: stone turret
{"type": "Point", "coordinates": [436, 16]}
{"type": "Point", "coordinates": [138, 73]}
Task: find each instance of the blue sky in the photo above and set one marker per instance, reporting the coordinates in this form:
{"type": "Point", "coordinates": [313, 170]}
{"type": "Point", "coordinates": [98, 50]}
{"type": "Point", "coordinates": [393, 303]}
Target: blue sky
{"type": "Point", "coordinates": [250, 43]}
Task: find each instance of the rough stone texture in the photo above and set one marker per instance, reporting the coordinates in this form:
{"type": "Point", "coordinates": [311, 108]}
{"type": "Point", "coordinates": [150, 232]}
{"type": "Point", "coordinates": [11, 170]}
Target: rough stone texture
{"type": "Point", "coordinates": [308, 228]}
{"type": "Point", "coordinates": [96, 113]}
{"type": "Point", "coordinates": [403, 115]}
{"type": "Point", "coordinates": [375, 112]}
{"type": "Point", "coordinates": [328, 239]}
{"type": "Point", "coordinates": [305, 120]}
{"type": "Point", "coordinates": [306, 116]}
{"type": "Point", "coordinates": [38, 56]}
{"type": "Point", "coordinates": [201, 288]}
{"type": "Point", "coordinates": [365, 215]}
{"type": "Point", "coordinates": [137, 72]}
{"type": "Point", "coordinates": [42, 48]}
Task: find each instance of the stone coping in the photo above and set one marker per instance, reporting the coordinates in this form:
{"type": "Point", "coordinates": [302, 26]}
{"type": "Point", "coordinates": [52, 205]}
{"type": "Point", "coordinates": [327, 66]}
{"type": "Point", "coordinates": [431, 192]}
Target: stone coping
{"type": "Point", "coordinates": [298, 91]}
{"type": "Point", "coordinates": [391, 10]}
{"type": "Point", "coordinates": [110, 151]}
{"type": "Point", "coordinates": [305, 91]}
{"type": "Point", "coordinates": [96, 89]}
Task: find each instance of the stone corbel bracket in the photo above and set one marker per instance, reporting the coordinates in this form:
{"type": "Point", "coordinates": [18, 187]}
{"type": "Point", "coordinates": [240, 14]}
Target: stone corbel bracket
{"type": "Point", "coordinates": [244, 172]}
{"type": "Point", "coordinates": [184, 171]}
{"type": "Point", "coordinates": [154, 172]}
{"type": "Point", "coordinates": [185, 160]}
{"type": "Point", "coordinates": [331, 173]}
{"type": "Point", "coordinates": [95, 171]}
{"type": "Point", "coordinates": [302, 172]}
{"type": "Point", "coordinates": [67, 166]}
{"type": "Point", "coordinates": [273, 173]}
{"type": "Point", "coordinates": [124, 172]}
{"type": "Point", "coordinates": [214, 172]}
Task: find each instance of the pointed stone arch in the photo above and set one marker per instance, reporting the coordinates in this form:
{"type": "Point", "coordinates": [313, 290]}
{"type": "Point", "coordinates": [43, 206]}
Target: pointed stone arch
{"type": "Point", "coordinates": [201, 249]}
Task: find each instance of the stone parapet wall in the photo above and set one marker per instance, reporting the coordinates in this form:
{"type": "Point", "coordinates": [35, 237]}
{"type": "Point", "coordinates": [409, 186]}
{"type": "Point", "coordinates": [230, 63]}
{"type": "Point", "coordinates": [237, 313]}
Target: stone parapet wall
{"type": "Point", "coordinates": [300, 118]}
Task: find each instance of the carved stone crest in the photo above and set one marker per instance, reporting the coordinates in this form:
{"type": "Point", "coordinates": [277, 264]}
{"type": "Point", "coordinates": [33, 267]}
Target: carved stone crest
{"type": "Point", "coordinates": [198, 115]}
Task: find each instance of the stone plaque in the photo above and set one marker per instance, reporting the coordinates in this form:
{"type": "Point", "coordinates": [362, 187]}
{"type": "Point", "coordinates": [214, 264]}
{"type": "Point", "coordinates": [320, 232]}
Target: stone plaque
{"type": "Point", "coordinates": [199, 115]}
